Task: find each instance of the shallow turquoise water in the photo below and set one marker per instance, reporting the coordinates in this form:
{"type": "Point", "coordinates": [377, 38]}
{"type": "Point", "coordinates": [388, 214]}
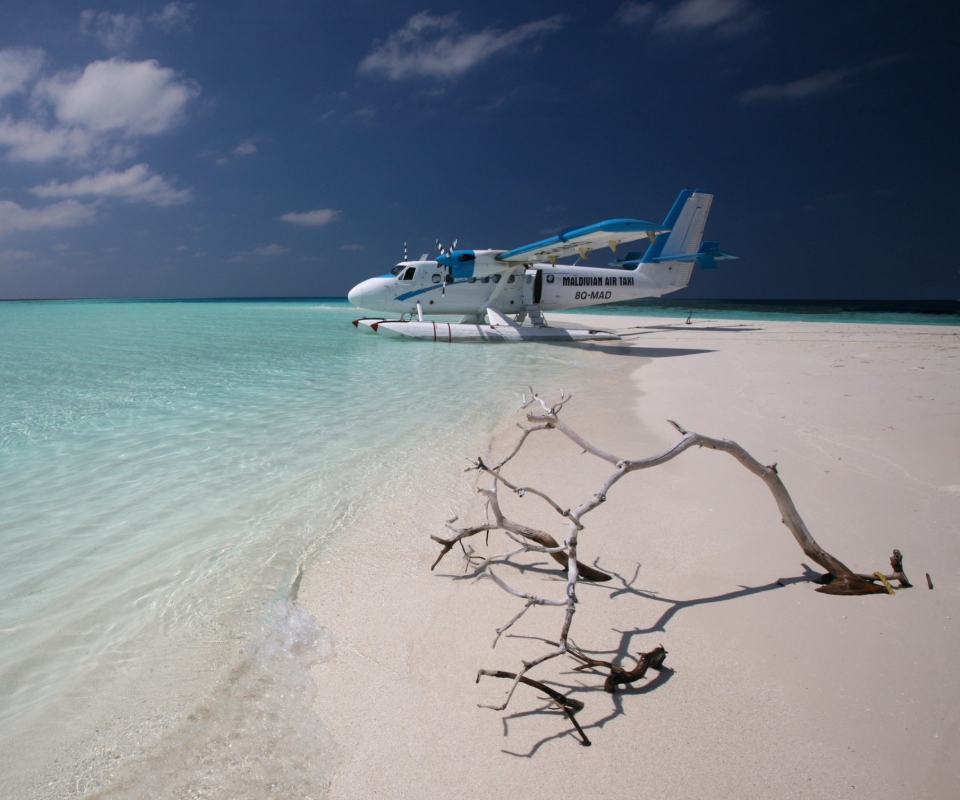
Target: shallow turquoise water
{"type": "Point", "coordinates": [166, 469]}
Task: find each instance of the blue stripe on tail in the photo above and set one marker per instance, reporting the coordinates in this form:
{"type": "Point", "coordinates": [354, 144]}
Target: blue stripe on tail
{"type": "Point", "coordinates": [654, 250]}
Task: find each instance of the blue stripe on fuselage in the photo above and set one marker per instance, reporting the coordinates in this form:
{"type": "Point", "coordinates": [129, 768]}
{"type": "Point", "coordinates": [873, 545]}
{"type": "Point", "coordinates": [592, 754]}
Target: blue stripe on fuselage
{"type": "Point", "coordinates": [415, 292]}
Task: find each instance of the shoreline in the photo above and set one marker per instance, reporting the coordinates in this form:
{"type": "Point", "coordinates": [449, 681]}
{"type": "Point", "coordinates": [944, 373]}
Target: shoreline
{"type": "Point", "coordinates": [769, 688]}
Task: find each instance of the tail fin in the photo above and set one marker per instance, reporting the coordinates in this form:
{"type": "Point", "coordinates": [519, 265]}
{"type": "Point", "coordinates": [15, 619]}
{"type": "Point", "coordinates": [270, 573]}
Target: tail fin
{"type": "Point", "coordinates": [669, 260]}
{"type": "Point", "coordinates": [686, 221]}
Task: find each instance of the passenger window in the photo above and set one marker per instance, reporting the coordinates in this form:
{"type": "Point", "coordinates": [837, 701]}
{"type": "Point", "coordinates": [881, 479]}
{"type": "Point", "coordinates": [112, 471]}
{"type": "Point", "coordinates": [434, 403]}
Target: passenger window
{"type": "Point", "coordinates": [471, 280]}
{"type": "Point", "coordinates": [549, 278]}
{"type": "Point", "coordinates": [408, 275]}
{"type": "Point", "coordinates": [485, 279]}
{"type": "Point", "coordinates": [435, 278]}
{"type": "Point", "coordinates": [511, 279]}
{"type": "Point", "coordinates": [496, 278]}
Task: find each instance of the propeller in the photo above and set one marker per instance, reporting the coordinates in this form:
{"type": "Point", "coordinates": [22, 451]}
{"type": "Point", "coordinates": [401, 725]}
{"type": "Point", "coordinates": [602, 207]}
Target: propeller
{"type": "Point", "coordinates": [453, 249]}
{"type": "Point", "coordinates": [404, 251]}
{"type": "Point", "coordinates": [446, 267]}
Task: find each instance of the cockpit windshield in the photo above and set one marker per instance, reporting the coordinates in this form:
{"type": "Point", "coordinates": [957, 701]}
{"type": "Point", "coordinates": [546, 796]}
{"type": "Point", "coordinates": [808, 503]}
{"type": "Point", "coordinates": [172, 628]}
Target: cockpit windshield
{"type": "Point", "coordinates": [408, 275]}
{"type": "Point", "coordinates": [398, 269]}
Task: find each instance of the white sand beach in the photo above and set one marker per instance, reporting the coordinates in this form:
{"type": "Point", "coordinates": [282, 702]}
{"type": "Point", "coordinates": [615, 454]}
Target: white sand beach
{"type": "Point", "coordinates": [770, 689]}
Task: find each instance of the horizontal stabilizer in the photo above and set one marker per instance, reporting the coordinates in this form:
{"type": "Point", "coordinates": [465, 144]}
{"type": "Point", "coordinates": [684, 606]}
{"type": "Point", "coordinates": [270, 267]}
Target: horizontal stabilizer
{"type": "Point", "coordinates": [707, 256]}
{"type": "Point", "coordinates": [629, 261]}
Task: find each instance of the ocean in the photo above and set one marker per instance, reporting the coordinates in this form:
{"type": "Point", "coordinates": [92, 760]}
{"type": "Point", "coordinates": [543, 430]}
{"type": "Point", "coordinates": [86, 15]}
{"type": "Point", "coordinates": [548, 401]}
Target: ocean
{"type": "Point", "coordinates": [168, 470]}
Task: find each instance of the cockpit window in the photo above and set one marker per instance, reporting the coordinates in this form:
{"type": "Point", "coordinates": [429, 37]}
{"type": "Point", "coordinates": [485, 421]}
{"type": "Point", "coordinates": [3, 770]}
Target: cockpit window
{"type": "Point", "coordinates": [398, 269]}
{"type": "Point", "coordinates": [408, 275]}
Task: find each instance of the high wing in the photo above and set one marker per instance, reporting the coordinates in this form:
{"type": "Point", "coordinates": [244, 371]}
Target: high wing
{"type": "Point", "coordinates": [571, 241]}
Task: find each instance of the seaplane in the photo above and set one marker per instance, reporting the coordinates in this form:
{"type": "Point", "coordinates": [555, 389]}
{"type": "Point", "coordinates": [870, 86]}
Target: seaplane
{"type": "Point", "coordinates": [494, 292]}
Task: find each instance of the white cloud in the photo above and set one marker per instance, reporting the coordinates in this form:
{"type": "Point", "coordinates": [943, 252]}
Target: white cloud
{"type": "Point", "coordinates": [9, 256]}
{"type": "Point", "coordinates": [247, 148]}
{"type": "Point", "coordinates": [173, 17]}
{"type": "Point", "coordinates": [815, 84]}
{"type": "Point", "coordinates": [119, 31]}
{"type": "Point", "coordinates": [129, 97]}
{"type": "Point", "coordinates": [434, 46]}
{"type": "Point", "coordinates": [97, 112]}
{"type": "Point", "coordinates": [270, 250]}
{"type": "Point", "coordinates": [263, 251]}
{"type": "Point", "coordinates": [65, 214]}
{"type": "Point", "coordinates": [29, 141]}
{"type": "Point", "coordinates": [312, 219]}
{"type": "Point", "coordinates": [636, 13]}
{"type": "Point", "coordinates": [18, 66]}
{"type": "Point", "coordinates": [825, 81]}
{"type": "Point", "coordinates": [135, 185]}
{"type": "Point", "coordinates": [694, 15]}
{"type": "Point", "coordinates": [726, 17]}
{"type": "Point", "coordinates": [115, 31]}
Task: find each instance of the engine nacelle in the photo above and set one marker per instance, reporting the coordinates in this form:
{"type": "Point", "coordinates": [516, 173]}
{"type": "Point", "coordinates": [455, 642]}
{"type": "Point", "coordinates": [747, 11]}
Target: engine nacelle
{"type": "Point", "coordinates": [474, 263]}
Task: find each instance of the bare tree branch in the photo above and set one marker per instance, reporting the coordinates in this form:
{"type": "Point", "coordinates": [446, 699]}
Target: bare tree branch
{"type": "Point", "coordinates": [840, 579]}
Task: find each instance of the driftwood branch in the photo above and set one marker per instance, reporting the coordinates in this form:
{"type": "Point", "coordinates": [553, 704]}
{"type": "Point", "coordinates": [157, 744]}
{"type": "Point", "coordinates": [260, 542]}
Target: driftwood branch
{"type": "Point", "coordinates": [618, 675]}
{"type": "Point", "coordinates": [839, 578]}
{"type": "Point", "coordinates": [568, 705]}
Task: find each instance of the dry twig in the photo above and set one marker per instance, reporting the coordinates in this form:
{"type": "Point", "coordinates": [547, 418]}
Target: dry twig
{"type": "Point", "coordinates": [839, 578]}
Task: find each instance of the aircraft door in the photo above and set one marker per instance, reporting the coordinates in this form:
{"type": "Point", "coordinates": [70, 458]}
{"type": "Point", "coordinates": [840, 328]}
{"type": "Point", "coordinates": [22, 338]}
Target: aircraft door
{"type": "Point", "coordinates": [532, 287]}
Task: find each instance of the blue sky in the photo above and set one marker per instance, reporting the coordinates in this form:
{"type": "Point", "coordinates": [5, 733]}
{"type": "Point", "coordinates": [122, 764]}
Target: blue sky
{"type": "Point", "coordinates": [153, 149]}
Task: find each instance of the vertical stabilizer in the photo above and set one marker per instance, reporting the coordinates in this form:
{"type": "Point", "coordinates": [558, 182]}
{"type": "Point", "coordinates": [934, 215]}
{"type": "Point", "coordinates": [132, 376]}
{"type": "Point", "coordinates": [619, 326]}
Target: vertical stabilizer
{"type": "Point", "coordinates": [686, 222]}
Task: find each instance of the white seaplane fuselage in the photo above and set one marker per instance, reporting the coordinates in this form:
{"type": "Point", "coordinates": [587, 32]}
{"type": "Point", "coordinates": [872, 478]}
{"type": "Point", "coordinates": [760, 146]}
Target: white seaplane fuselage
{"type": "Point", "coordinates": [485, 288]}
{"type": "Point", "coordinates": [562, 286]}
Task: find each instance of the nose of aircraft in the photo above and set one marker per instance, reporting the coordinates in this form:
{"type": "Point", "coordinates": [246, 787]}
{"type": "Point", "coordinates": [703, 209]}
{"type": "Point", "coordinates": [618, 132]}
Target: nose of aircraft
{"type": "Point", "coordinates": [355, 295]}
